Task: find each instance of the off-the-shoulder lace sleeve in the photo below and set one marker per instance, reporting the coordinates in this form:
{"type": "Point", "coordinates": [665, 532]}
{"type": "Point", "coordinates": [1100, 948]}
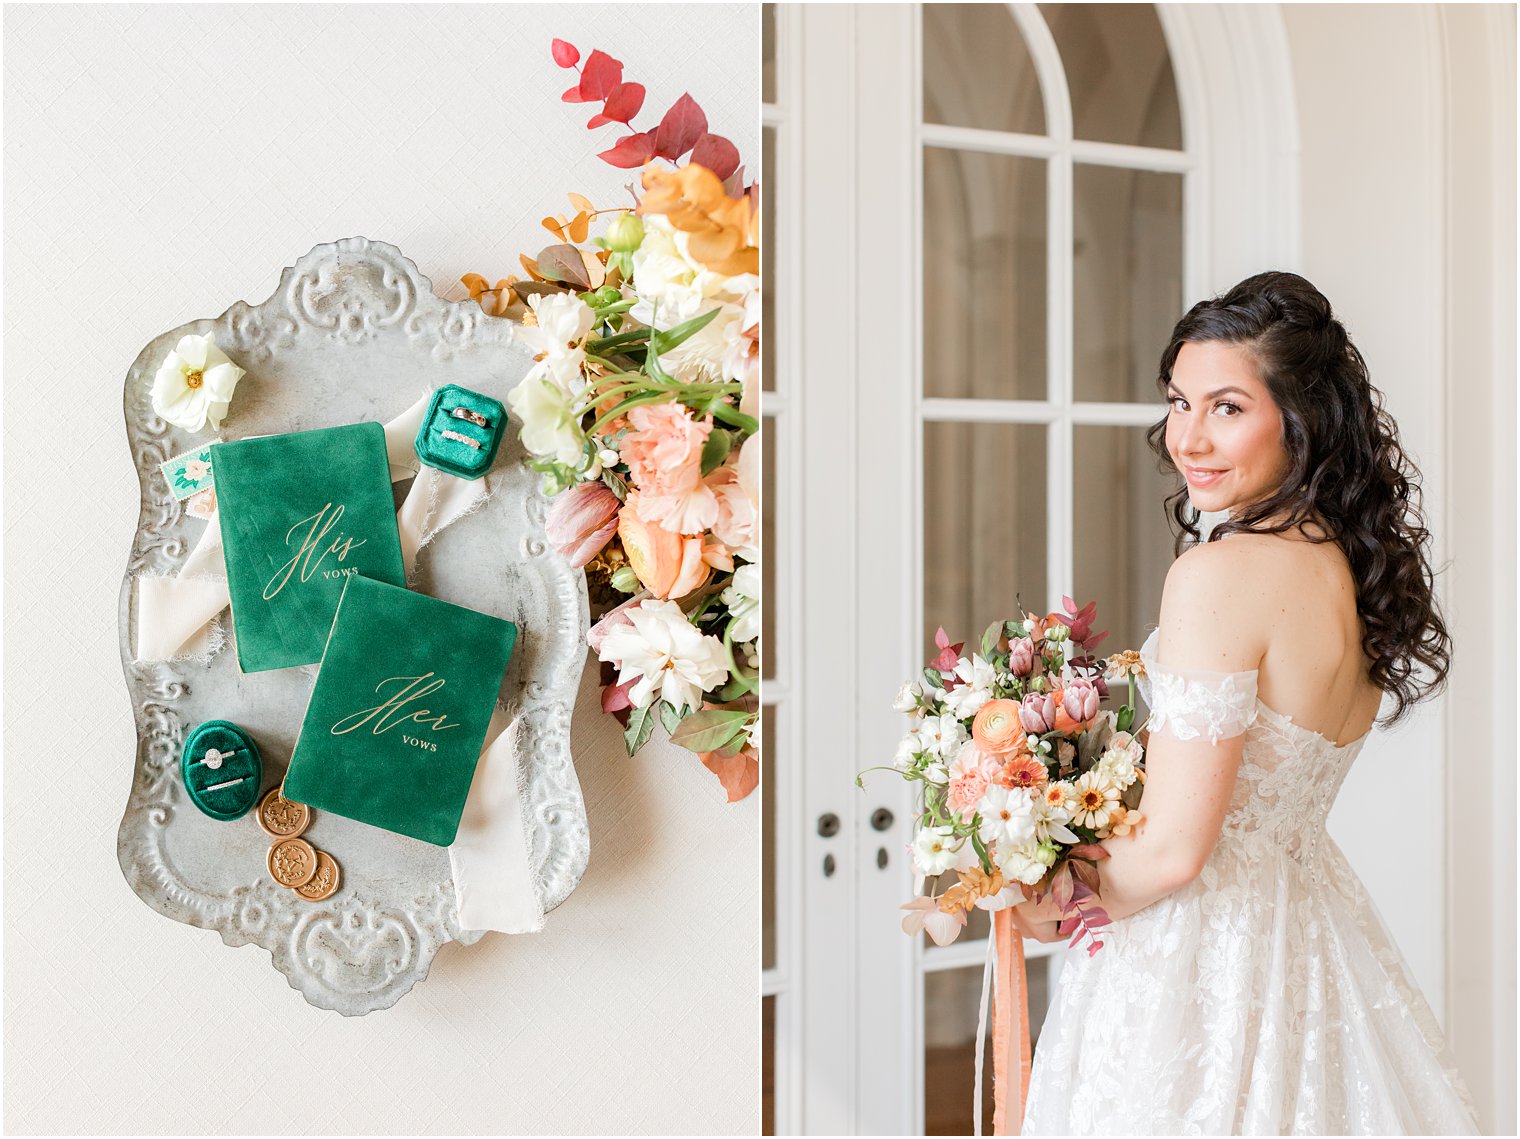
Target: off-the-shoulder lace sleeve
{"type": "Point", "coordinates": [1191, 703]}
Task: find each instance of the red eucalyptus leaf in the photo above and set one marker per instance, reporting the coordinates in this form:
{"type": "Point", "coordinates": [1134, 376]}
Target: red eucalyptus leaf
{"type": "Point", "coordinates": [565, 54]}
{"type": "Point", "coordinates": [1097, 917]}
{"type": "Point", "coordinates": [1092, 851]}
{"type": "Point", "coordinates": [600, 76]}
{"type": "Point", "coordinates": [630, 151]}
{"type": "Point", "coordinates": [1060, 886]}
{"type": "Point", "coordinates": [717, 154]}
{"type": "Point", "coordinates": [1087, 874]}
{"type": "Point", "coordinates": [679, 130]}
{"type": "Point", "coordinates": [733, 185]}
{"type": "Point", "coordinates": [1094, 947]}
{"type": "Point", "coordinates": [622, 105]}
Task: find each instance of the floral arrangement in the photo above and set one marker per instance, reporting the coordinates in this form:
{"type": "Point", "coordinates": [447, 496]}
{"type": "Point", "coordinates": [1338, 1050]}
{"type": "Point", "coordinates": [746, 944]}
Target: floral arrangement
{"type": "Point", "coordinates": [1022, 770]}
{"type": "Point", "coordinates": [640, 414]}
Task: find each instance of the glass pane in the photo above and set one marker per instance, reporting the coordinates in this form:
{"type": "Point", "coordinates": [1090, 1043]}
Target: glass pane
{"type": "Point", "coordinates": [768, 53]}
{"type": "Point", "coordinates": [1126, 279]}
{"type": "Point", "coordinates": [984, 525]}
{"type": "Point", "coordinates": [768, 262]}
{"type": "Point", "coordinates": [1119, 72]}
{"type": "Point", "coordinates": [951, 999]}
{"type": "Point", "coordinates": [984, 275]}
{"type": "Point", "coordinates": [768, 836]}
{"type": "Point", "coordinates": [977, 71]}
{"type": "Point", "coordinates": [1123, 539]}
{"type": "Point", "coordinates": [768, 1066]}
{"type": "Point", "coordinates": [768, 604]}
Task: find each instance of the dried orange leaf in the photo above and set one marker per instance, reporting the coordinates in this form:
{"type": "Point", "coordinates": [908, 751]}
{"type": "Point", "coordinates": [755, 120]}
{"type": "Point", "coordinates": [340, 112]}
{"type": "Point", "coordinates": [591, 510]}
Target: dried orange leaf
{"type": "Point", "coordinates": [531, 266]}
{"type": "Point", "coordinates": [579, 226]}
{"type": "Point", "coordinates": [582, 203]}
{"type": "Point", "coordinates": [596, 272]}
{"type": "Point", "coordinates": [475, 283]}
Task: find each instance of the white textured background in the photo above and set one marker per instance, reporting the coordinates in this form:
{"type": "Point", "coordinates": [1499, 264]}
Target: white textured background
{"type": "Point", "coordinates": [160, 164]}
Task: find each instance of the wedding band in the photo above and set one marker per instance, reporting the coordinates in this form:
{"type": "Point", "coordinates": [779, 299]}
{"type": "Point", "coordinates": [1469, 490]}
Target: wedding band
{"type": "Point", "coordinates": [460, 438]}
{"type": "Point", "coordinates": [473, 416]}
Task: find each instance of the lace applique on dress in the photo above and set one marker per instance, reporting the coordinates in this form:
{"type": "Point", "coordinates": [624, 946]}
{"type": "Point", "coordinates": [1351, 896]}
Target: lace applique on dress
{"type": "Point", "coordinates": [1190, 703]}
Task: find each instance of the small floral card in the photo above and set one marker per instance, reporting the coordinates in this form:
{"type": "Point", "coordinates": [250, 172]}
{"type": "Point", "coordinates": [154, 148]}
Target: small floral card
{"type": "Point", "coordinates": [189, 473]}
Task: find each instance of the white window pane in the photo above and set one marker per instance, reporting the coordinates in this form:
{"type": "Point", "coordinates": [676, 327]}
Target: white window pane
{"type": "Point", "coordinates": [977, 71]}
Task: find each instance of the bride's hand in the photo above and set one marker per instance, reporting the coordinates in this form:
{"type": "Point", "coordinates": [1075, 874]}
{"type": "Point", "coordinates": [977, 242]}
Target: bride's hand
{"type": "Point", "coordinates": [1038, 920]}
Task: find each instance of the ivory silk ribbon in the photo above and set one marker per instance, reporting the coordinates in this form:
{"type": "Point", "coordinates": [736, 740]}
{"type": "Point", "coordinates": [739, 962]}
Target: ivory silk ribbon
{"type": "Point", "coordinates": [1010, 1028]}
{"type": "Point", "coordinates": [493, 883]}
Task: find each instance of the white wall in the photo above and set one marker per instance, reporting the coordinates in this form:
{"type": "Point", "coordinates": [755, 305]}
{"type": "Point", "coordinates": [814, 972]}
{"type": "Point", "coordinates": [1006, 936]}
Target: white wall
{"type": "Point", "coordinates": [161, 163]}
{"type": "Point", "coordinates": [1407, 189]}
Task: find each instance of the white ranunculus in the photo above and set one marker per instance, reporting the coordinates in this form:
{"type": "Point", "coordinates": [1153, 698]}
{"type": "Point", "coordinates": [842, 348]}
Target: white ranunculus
{"type": "Point", "coordinates": [743, 600]}
{"type": "Point", "coordinates": [934, 850]}
{"type": "Point", "coordinates": [1007, 815]}
{"type": "Point", "coordinates": [1020, 861]}
{"type": "Point", "coordinates": [194, 384]}
{"type": "Point", "coordinates": [908, 749]}
{"type": "Point", "coordinates": [906, 699]}
{"type": "Point", "coordinates": [549, 423]}
{"type": "Point", "coordinates": [670, 286]}
{"type": "Point", "coordinates": [557, 340]}
{"type": "Point", "coordinates": [701, 356]}
{"type": "Point", "coordinates": [667, 654]}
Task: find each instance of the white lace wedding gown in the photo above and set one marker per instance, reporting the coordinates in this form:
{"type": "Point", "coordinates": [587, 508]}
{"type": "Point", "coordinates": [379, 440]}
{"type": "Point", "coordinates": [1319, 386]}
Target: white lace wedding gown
{"type": "Point", "coordinates": [1265, 998]}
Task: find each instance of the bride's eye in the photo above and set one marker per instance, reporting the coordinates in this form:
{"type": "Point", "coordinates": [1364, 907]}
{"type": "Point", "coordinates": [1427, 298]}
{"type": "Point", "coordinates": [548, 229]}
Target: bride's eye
{"type": "Point", "coordinates": [1234, 408]}
{"type": "Point", "coordinates": [1174, 400]}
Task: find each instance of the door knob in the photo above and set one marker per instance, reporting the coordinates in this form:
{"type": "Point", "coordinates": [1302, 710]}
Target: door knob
{"type": "Point", "coordinates": [828, 825]}
{"type": "Point", "coordinates": [881, 818]}
{"type": "Point", "coordinates": [828, 865]}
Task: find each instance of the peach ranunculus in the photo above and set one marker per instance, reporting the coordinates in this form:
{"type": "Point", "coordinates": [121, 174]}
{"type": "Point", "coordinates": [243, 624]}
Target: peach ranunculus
{"type": "Point", "coordinates": [664, 456]}
{"type": "Point", "coordinates": [668, 564]}
{"type": "Point", "coordinates": [581, 521]}
{"type": "Point", "coordinates": [971, 774]}
{"type": "Point", "coordinates": [997, 729]}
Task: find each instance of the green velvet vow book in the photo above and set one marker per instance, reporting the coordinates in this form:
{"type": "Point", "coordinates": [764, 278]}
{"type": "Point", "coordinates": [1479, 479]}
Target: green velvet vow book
{"type": "Point", "coordinates": [300, 514]}
{"type": "Point", "coordinates": [399, 712]}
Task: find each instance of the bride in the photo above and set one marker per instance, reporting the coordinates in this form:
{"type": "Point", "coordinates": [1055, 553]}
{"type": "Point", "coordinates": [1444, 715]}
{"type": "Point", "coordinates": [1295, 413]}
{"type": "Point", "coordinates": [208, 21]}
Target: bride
{"type": "Point", "coordinates": [1247, 984]}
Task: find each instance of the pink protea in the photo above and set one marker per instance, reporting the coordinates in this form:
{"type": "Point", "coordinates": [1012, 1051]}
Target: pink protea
{"type": "Point", "coordinates": [582, 520]}
{"type": "Point", "coordinates": [1038, 712]}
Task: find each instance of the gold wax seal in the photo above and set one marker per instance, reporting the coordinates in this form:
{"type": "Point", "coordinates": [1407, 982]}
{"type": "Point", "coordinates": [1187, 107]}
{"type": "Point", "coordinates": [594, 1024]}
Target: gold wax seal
{"type": "Point", "coordinates": [292, 862]}
{"type": "Point", "coordinates": [324, 883]}
{"type": "Point", "coordinates": [280, 817]}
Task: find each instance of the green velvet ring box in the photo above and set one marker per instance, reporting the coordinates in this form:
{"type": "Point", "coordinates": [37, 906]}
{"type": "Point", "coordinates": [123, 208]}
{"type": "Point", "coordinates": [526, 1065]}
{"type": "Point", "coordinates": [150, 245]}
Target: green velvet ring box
{"type": "Point", "coordinates": [222, 769]}
{"type": "Point", "coordinates": [451, 455]}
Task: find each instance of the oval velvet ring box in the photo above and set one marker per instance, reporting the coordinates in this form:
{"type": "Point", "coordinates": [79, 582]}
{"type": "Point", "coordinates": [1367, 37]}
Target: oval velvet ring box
{"type": "Point", "coordinates": [222, 769]}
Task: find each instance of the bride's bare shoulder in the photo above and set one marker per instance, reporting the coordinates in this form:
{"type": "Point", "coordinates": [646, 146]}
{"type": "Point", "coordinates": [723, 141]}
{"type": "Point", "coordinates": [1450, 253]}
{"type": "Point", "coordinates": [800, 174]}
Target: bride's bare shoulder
{"type": "Point", "coordinates": [1219, 602]}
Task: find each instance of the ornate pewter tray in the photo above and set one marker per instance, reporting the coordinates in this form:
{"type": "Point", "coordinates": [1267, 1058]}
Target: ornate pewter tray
{"type": "Point", "coordinates": [354, 332]}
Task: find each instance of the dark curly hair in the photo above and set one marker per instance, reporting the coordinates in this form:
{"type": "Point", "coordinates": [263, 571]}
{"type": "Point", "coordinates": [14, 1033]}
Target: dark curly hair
{"type": "Point", "coordinates": [1348, 471]}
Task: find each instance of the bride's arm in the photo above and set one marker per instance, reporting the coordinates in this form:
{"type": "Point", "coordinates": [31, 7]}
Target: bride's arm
{"type": "Point", "coordinates": [1187, 795]}
{"type": "Point", "coordinates": [1206, 622]}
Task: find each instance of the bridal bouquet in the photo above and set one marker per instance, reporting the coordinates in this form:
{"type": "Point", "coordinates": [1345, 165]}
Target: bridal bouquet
{"type": "Point", "coordinates": [640, 414]}
{"type": "Point", "coordinates": [1022, 771]}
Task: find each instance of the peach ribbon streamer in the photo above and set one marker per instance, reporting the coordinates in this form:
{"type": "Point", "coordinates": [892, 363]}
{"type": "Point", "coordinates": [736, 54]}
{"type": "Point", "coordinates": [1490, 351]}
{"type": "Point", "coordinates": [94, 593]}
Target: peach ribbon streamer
{"type": "Point", "coordinates": [1011, 994]}
{"type": "Point", "coordinates": [1005, 963]}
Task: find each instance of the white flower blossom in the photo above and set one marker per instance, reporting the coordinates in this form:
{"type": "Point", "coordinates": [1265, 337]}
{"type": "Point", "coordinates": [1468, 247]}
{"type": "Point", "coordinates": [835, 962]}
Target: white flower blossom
{"type": "Point", "coordinates": [665, 651]}
{"type": "Point", "coordinates": [1007, 815]}
{"type": "Point", "coordinates": [558, 339]}
{"type": "Point", "coordinates": [934, 850]}
{"type": "Point", "coordinates": [194, 384]}
{"type": "Point", "coordinates": [743, 600]}
{"type": "Point", "coordinates": [1020, 862]}
{"type": "Point", "coordinates": [550, 426]}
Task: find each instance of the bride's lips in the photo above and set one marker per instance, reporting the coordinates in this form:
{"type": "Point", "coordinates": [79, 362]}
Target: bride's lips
{"type": "Point", "coordinates": [1202, 476]}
